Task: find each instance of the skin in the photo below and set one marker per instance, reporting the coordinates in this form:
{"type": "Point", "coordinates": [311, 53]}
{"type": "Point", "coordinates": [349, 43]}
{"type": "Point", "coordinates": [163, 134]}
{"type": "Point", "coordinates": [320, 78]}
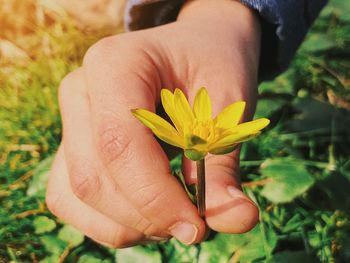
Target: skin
{"type": "Point", "coordinates": [111, 178]}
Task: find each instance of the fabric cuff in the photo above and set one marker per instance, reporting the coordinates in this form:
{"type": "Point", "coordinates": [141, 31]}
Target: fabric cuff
{"type": "Point", "coordinates": [141, 14]}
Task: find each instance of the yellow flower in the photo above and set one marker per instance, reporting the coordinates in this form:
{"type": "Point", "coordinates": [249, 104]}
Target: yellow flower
{"type": "Point", "coordinates": [195, 131]}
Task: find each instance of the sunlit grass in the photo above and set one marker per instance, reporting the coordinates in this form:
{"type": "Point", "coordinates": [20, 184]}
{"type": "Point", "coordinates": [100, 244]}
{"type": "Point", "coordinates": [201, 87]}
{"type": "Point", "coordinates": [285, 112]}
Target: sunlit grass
{"type": "Point", "coordinates": [309, 136]}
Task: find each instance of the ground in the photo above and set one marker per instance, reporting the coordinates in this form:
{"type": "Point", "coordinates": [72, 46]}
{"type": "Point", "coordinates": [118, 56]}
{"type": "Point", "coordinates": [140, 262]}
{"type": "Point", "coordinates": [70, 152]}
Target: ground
{"type": "Point", "coordinates": [297, 172]}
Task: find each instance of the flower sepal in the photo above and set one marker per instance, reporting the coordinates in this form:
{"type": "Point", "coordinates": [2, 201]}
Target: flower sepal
{"type": "Point", "coordinates": [194, 155]}
{"type": "Point", "coordinates": [224, 150]}
{"type": "Point", "coordinates": [193, 140]}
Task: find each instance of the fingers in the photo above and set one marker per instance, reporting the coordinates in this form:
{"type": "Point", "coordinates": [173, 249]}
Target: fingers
{"type": "Point", "coordinates": [88, 178]}
{"type": "Point", "coordinates": [63, 203]}
{"type": "Point", "coordinates": [228, 209]}
{"type": "Point", "coordinates": [130, 152]}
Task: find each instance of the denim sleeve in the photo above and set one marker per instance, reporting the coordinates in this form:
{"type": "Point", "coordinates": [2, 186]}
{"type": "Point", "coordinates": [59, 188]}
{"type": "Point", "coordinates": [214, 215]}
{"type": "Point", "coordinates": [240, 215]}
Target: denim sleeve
{"type": "Point", "coordinates": [284, 25]}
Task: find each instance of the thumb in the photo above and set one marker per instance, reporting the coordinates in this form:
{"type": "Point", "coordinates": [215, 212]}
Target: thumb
{"type": "Point", "coordinates": [228, 209]}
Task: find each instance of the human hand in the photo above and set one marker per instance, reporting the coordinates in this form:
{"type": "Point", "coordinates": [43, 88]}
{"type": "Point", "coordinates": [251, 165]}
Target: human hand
{"type": "Point", "coordinates": [111, 179]}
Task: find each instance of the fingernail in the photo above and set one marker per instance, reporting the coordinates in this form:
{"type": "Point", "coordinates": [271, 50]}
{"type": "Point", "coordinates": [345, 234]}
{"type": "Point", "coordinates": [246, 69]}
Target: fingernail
{"type": "Point", "coordinates": [234, 192]}
{"type": "Point", "coordinates": [184, 232]}
{"type": "Point", "coordinates": [156, 238]}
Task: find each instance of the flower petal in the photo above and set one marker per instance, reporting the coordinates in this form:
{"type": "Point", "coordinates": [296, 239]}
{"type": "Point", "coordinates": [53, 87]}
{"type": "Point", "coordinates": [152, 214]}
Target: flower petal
{"type": "Point", "coordinates": [202, 105]}
{"type": "Point", "coordinates": [223, 150]}
{"type": "Point", "coordinates": [167, 98]}
{"type": "Point", "coordinates": [160, 127]}
{"type": "Point", "coordinates": [169, 139]}
{"type": "Point", "coordinates": [183, 109]}
{"type": "Point", "coordinates": [241, 133]}
{"type": "Point", "coordinates": [232, 140]}
{"type": "Point", "coordinates": [251, 126]}
{"type": "Point", "coordinates": [230, 116]}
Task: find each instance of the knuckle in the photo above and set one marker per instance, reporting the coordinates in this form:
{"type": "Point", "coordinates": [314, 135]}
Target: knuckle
{"type": "Point", "coordinates": [114, 50]}
{"type": "Point", "coordinates": [120, 238]}
{"type": "Point", "coordinates": [146, 227]}
{"type": "Point", "coordinates": [153, 199]}
{"type": "Point", "coordinates": [104, 50]}
{"type": "Point", "coordinates": [114, 144]}
{"type": "Point", "coordinates": [85, 181]}
{"type": "Point", "coordinates": [68, 84]}
{"type": "Point", "coordinates": [53, 201]}
{"type": "Point", "coordinates": [226, 164]}
{"type": "Point", "coordinates": [64, 85]}
{"type": "Point", "coordinates": [151, 230]}
{"type": "Point", "coordinates": [100, 50]}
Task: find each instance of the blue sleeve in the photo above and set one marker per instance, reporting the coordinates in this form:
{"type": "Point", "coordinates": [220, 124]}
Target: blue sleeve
{"type": "Point", "coordinates": [284, 25]}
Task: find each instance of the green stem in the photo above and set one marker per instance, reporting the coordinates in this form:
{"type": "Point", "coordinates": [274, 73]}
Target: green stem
{"type": "Point", "coordinates": [200, 189]}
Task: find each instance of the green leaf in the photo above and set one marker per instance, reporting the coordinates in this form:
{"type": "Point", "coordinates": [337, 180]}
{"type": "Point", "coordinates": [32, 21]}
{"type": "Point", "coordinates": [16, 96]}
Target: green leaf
{"type": "Point", "coordinates": [317, 115]}
{"type": "Point", "coordinates": [283, 84]}
{"type": "Point", "coordinates": [43, 224]}
{"type": "Point", "coordinates": [266, 106]}
{"type": "Point", "coordinates": [249, 246]}
{"type": "Point", "coordinates": [176, 163]}
{"type": "Point", "coordinates": [289, 179]}
{"type": "Point", "coordinates": [176, 252]}
{"type": "Point", "coordinates": [51, 259]}
{"type": "Point", "coordinates": [318, 43]}
{"type": "Point", "coordinates": [71, 235]}
{"type": "Point", "coordinates": [37, 186]}
{"type": "Point", "coordinates": [291, 257]}
{"type": "Point", "coordinates": [137, 254]}
{"type": "Point", "coordinates": [190, 190]}
{"type": "Point", "coordinates": [91, 259]}
{"type": "Point", "coordinates": [336, 187]}
{"type": "Point", "coordinates": [53, 245]}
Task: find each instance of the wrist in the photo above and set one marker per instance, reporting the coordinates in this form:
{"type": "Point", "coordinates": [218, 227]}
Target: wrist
{"type": "Point", "coordinates": [219, 10]}
{"type": "Point", "coordinates": [229, 19]}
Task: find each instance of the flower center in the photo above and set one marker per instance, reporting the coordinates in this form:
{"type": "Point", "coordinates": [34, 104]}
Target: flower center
{"type": "Point", "coordinates": [203, 129]}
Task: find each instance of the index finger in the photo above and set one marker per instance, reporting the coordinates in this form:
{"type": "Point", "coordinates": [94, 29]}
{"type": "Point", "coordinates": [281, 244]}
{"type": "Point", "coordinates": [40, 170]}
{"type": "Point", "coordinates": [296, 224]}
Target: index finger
{"type": "Point", "coordinates": [130, 152]}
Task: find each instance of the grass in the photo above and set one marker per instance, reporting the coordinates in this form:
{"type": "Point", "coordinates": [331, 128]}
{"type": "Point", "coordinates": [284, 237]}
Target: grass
{"type": "Point", "coordinates": [298, 172]}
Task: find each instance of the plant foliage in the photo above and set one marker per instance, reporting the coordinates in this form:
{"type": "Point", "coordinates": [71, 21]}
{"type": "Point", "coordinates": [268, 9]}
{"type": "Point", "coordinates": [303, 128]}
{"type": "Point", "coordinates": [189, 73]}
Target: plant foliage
{"type": "Point", "coordinates": [297, 172]}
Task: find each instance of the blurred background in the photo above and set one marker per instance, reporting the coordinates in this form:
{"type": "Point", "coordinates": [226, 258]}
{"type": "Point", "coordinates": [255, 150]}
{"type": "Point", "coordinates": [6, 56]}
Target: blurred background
{"type": "Point", "coordinates": [298, 171]}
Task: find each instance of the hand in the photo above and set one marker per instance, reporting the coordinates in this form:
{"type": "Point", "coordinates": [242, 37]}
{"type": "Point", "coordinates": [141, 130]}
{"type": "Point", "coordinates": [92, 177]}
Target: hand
{"type": "Point", "coordinates": [111, 178]}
